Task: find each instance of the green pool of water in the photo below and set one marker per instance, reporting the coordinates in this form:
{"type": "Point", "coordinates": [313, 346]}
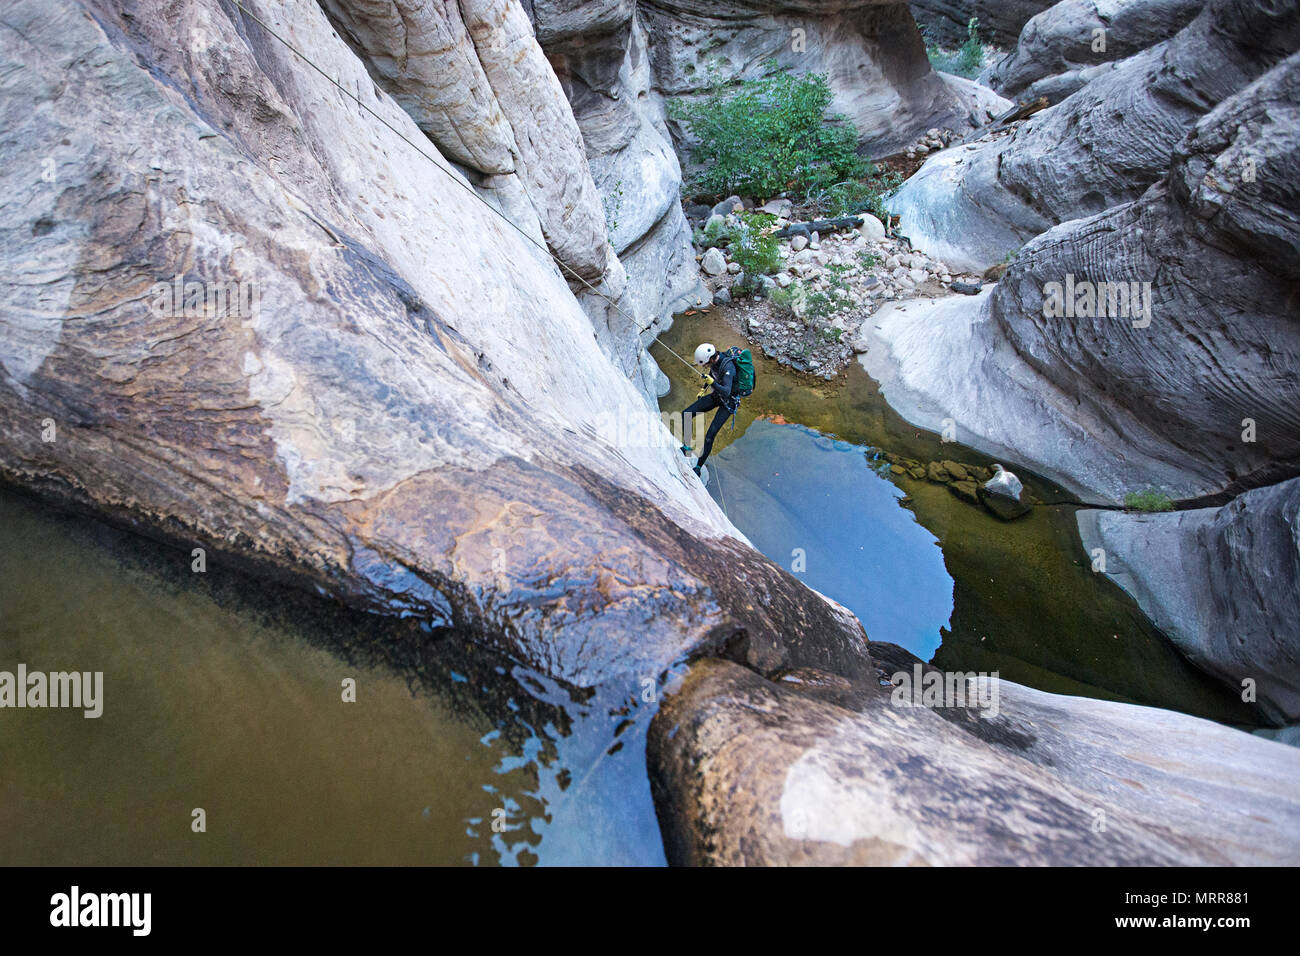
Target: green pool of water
{"type": "Point", "coordinates": [1024, 599]}
{"type": "Point", "coordinates": [225, 695]}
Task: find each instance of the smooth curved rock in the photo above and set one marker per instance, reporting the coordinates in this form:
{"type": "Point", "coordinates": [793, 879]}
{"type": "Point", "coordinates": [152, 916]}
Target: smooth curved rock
{"type": "Point", "coordinates": [973, 205]}
{"type": "Point", "coordinates": [475, 79]}
{"type": "Point", "coordinates": [408, 415]}
{"type": "Point", "coordinates": [871, 51]}
{"type": "Point", "coordinates": [421, 53]}
{"type": "Point", "coordinates": [1061, 49]}
{"type": "Point", "coordinates": [1108, 403]}
{"type": "Point", "coordinates": [1223, 583]}
{"type": "Point", "coordinates": [599, 53]}
{"type": "Point", "coordinates": [801, 771]}
{"type": "Point", "coordinates": [1000, 21]}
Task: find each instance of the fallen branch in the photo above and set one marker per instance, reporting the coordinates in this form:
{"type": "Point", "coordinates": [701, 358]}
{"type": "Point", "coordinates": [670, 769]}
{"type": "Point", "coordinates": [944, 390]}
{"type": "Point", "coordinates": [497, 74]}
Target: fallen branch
{"type": "Point", "coordinates": [820, 226]}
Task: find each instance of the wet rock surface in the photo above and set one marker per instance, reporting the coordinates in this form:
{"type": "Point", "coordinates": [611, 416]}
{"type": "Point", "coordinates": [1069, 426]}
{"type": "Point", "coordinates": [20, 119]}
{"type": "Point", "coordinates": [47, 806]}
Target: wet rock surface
{"type": "Point", "coordinates": [419, 440]}
{"type": "Point", "coordinates": [1221, 582]}
{"type": "Point", "coordinates": [804, 771]}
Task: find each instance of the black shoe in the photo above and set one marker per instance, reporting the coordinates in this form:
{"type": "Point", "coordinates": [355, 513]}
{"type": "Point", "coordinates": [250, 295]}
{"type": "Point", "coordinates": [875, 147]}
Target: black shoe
{"type": "Point", "coordinates": [697, 468]}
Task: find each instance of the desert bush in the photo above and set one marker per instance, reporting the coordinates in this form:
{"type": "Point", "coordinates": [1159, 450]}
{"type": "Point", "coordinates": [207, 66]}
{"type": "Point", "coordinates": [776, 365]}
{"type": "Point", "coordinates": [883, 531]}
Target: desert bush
{"type": "Point", "coordinates": [769, 136]}
{"type": "Point", "coordinates": [1149, 500]}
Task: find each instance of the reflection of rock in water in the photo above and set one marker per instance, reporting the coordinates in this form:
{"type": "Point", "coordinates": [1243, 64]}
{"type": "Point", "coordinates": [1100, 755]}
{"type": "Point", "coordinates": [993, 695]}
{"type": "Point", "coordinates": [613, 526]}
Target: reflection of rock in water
{"type": "Point", "coordinates": [819, 507]}
{"type": "Point", "coordinates": [226, 669]}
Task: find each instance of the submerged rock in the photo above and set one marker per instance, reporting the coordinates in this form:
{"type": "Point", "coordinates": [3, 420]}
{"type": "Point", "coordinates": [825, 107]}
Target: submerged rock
{"type": "Point", "coordinates": [965, 490]}
{"type": "Point", "coordinates": [747, 771]}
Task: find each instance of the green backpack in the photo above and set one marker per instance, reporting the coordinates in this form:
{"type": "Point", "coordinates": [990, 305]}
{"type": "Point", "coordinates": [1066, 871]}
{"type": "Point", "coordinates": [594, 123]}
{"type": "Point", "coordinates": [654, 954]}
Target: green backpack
{"type": "Point", "coordinates": [744, 371]}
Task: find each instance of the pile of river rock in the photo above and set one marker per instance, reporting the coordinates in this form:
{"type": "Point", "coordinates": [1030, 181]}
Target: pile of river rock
{"type": "Point", "coordinates": [861, 268]}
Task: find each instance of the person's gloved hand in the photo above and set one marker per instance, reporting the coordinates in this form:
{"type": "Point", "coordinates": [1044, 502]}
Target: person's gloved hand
{"type": "Point", "coordinates": [708, 385]}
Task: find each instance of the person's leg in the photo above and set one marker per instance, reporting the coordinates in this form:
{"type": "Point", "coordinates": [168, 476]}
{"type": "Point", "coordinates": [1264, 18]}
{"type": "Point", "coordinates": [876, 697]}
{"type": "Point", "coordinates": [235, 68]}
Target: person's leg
{"type": "Point", "coordinates": [701, 404]}
{"type": "Point", "coordinates": [715, 426]}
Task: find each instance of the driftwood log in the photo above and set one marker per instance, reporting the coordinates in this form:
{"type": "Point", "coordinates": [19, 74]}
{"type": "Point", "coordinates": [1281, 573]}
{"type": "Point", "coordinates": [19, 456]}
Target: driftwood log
{"type": "Point", "coordinates": [820, 226]}
{"type": "Point", "coordinates": [1018, 112]}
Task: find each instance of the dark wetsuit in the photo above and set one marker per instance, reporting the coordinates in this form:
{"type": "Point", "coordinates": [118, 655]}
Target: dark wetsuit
{"type": "Point", "coordinates": [721, 398]}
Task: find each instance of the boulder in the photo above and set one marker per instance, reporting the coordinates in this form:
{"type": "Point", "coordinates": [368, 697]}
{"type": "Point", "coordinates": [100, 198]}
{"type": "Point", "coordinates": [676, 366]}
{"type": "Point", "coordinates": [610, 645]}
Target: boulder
{"type": "Point", "coordinates": [935, 472]}
{"type": "Point", "coordinates": [220, 325]}
{"type": "Point", "coordinates": [714, 262]}
{"type": "Point", "coordinates": [804, 771]}
{"type": "Point", "coordinates": [781, 208]}
{"type": "Point", "coordinates": [728, 206]}
{"type": "Point", "coordinates": [1004, 498]}
{"type": "Point", "coordinates": [872, 229]}
{"type": "Point", "coordinates": [958, 471]}
{"type": "Point", "coordinates": [1105, 145]}
{"type": "Point", "coordinates": [1060, 49]}
{"type": "Point", "coordinates": [1222, 583]}
{"type": "Point", "coordinates": [1110, 398]}
{"type": "Point", "coordinates": [1004, 483]}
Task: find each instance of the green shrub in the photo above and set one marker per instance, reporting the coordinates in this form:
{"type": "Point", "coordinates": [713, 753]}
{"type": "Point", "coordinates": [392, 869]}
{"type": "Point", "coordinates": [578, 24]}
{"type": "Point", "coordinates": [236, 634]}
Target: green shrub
{"type": "Point", "coordinates": [769, 136]}
{"type": "Point", "coordinates": [1149, 500]}
{"type": "Point", "coordinates": [966, 61]}
{"type": "Point", "coordinates": [855, 196]}
{"type": "Point", "coordinates": [715, 233]}
{"type": "Point", "coordinates": [814, 308]}
{"type": "Point", "coordinates": [754, 250]}
{"type": "Point", "coordinates": [784, 300]}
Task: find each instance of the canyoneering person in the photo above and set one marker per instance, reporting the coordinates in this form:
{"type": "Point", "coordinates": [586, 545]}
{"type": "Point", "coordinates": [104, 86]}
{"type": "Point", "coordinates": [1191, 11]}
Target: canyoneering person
{"type": "Point", "coordinates": [728, 377]}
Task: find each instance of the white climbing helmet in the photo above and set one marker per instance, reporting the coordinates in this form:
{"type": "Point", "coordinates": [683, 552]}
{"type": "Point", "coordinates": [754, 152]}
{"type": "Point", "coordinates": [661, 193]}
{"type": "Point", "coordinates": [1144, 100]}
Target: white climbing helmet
{"type": "Point", "coordinates": [704, 353]}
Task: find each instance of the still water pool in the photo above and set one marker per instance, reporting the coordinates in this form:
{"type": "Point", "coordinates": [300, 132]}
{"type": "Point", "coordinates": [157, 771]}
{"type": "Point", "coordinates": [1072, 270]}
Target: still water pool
{"type": "Point", "coordinates": [784, 483]}
{"type": "Point", "coordinates": [226, 696]}
{"type": "Point", "coordinates": [1022, 597]}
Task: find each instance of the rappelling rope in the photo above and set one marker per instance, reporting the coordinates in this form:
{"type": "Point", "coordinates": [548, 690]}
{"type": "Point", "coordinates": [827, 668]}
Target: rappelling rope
{"type": "Point", "coordinates": [460, 182]}
{"type": "Point", "coordinates": [721, 497]}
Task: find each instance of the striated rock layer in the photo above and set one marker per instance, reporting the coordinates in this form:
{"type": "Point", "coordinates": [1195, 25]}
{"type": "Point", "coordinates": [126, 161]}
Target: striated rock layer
{"type": "Point", "coordinates": [1197, 398]}
{"type": "Point", "coordinates": [1067, 45]}
{"type": "Point", "coordinates": [600, 54]}
{"type": "Point", "coordinates": [404, 409]}
{"type": "Point", "coordinates": [972, 206]}
{"type": "Point", "coordinates": [1223, 583]}
{"type": "Point", "coordinates": [747, 771]}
